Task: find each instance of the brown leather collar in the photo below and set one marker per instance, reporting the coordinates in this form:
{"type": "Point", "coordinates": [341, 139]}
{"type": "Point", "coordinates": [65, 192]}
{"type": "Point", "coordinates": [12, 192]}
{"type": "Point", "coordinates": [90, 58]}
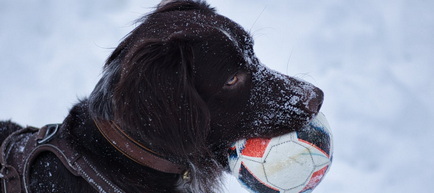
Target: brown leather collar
{"type": "Point", "coordinates": [135, 150]}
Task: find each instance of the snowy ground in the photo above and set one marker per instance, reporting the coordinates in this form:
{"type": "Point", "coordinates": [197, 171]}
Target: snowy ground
{"type": "Point", "coordinates": [374, 60]}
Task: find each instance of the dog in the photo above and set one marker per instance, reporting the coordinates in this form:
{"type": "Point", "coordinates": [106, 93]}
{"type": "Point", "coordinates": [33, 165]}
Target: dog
{"type": "Point", "coordinates": [182, 86]}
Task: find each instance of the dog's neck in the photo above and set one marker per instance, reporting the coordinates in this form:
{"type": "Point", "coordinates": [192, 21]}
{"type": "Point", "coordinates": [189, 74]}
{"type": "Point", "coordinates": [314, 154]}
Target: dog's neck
{"type": "Point", "coordinates": [114, 164]}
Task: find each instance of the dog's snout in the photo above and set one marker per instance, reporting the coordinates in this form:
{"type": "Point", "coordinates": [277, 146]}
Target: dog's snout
{"type": "Point", "coordinates": [316, 100]}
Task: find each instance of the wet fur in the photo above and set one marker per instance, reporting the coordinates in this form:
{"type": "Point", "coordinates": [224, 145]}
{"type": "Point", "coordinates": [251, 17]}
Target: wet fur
{"type": "Point", "coordinates": [165, 85]}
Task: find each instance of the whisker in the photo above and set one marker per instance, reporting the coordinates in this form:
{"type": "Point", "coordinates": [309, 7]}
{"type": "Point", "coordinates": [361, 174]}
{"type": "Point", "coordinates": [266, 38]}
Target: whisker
{"type": "Point", "coordinates": [289, 60]}
{"type": "Point", "coordinates": [257, 18]}
{"type": "Point", "coordinates": [256, 33]}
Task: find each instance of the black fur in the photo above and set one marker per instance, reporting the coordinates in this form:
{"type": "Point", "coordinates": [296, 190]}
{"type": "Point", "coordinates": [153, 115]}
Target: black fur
{"type": "Point", "coordinates": [169, 84]}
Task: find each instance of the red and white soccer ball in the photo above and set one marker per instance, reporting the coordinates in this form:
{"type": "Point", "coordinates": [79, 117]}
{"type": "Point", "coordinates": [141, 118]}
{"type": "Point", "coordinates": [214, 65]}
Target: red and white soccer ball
{"type": "Point", "coordinates": [292, 163]}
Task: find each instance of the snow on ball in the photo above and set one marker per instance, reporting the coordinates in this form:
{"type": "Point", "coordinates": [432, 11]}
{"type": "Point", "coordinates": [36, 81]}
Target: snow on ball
{"type": "Point", "coordinates": [292, 163]}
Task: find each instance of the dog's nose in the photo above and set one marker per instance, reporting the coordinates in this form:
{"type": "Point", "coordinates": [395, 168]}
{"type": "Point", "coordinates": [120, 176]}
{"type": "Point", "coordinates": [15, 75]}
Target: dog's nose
{"type": "Point", "coordinates": [315, 103]}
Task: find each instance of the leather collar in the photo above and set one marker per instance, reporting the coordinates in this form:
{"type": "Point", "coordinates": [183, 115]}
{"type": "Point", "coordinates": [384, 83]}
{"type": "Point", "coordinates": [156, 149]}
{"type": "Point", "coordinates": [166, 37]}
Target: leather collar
{"type": "Point", "coordinates": [135, 150]}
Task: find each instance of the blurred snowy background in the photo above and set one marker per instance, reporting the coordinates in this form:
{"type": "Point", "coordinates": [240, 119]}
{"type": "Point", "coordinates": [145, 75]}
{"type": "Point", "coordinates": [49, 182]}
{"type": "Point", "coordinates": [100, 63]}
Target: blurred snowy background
{"type": "Point", "coordinates": [374, 60]}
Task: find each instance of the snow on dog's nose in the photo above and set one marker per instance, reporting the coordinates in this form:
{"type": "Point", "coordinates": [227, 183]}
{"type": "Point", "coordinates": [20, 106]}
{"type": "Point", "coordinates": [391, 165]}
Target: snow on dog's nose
{"type": "Point", "coordinates": [283, 100]}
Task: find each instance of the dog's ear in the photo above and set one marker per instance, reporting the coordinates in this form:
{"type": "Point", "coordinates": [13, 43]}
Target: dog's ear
{"type": "Point", "coordinates": [101, 99]}
{"type": "Point", "coordinates": [155, 97]}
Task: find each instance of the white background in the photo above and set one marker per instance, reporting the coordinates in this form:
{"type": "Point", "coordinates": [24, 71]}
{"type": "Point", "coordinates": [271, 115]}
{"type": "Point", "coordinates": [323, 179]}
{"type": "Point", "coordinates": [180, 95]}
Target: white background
{"type": "Point", "coordinates": [373, 59]}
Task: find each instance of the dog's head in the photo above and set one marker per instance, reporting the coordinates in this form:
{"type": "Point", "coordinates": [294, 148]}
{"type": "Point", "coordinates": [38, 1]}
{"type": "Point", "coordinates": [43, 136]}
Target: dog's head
{"type": "Point", "coordinates": [186, 83]}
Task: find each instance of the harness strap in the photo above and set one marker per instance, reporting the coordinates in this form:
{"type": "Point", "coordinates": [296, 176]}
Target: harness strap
{"type": "Point", "coordinates": [77, 164]}
{"type": "Point", "coordinates": [50, 138]}
{"type": "Point", "coordinates": [10, 179]}
{"type": "Point", "coordinates": [12, 154]}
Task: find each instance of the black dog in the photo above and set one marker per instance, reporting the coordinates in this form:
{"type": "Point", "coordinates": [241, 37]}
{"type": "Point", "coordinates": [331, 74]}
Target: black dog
{"type": "Point", "coordinates": [183, 85]}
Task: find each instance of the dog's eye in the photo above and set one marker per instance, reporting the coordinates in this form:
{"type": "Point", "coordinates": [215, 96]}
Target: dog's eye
{"type": "Point", "coordinates": [232, 81]}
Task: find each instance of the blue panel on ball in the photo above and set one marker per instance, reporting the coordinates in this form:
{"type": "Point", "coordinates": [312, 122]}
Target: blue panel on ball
{"type": "Point", "coordinates": [232, 153]}
{"type": "Point", "coordinates": [317, 136]}
{"type": "Point", "coordinates": [252, 183]}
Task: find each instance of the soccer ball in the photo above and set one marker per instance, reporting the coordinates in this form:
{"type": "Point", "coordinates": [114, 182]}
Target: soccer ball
{"type": "Point", "coordinates": [292, 163]}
